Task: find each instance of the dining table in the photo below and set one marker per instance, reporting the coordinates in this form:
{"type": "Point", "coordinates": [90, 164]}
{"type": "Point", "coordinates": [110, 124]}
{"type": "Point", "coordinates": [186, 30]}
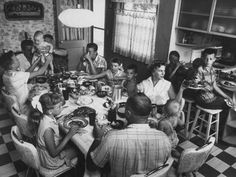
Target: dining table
{"type": "Point", "coordinates": [85, 139]}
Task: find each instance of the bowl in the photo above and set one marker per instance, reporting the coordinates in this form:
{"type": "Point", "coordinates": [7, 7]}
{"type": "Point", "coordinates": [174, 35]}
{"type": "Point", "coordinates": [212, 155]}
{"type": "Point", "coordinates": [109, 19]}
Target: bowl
{"type": "Point", "coordinates": [121, 112]}
{"type": "Point", "coordinates": [101, 94]}
{"type": "Point", "coordinates": [66, 75]}
{"type": "Point", "coordinates": [41, 79]}
{"type": "Point", "coordinates": [87, 83]}
{"type": "Point", "coordinates": [73, 76]}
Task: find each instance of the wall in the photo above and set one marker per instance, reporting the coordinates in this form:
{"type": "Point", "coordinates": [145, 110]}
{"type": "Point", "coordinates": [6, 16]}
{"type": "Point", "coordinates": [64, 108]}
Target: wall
{"type": "Point", "coordinates": [12, 32]}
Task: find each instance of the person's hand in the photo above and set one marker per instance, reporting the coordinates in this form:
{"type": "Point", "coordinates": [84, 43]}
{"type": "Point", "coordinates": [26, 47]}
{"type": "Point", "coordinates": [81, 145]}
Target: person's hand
{"type": "Point", "coordinates": [73, 130]}
{"type": "Point", "coordinates": [184, 85]}
{"type": "Point", "coordinates": [99, 130]}
{"type": "Point", "coordinates": [88, 57]}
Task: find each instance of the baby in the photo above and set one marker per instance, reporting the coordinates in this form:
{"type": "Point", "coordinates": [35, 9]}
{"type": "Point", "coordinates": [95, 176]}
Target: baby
{"type": "Point", "coordinates": [173, 116]}
{"type": "Point", "coordinates": [43, 48]}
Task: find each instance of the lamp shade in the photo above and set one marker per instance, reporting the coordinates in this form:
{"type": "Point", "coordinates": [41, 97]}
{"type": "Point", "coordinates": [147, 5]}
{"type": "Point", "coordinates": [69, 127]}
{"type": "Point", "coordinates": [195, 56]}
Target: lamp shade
{"type": "Point", "coordinates": [77, 18]}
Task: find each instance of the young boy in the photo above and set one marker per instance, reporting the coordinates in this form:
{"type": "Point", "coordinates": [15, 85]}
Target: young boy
{"type": "Point", "coordinates": [43, 48]}
{"type": "Point", "coordinates": [130, 83]}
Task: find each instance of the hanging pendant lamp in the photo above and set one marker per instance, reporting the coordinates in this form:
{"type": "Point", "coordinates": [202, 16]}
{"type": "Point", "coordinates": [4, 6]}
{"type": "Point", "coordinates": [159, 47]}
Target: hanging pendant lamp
{"type": "Point", "coordinates": [77, 18]}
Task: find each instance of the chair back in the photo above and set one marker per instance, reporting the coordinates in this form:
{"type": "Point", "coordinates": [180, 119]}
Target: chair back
{"type": "Point", "coordinates": [21, 121]}
{"type": "Point", "coordinates": [9, 99]}
{"type": "Point", "coordinates": [163, 172]}
{"type": "Point", "coordinates": [27, 151]}
{"type": "Point", "coordinates": [193, 158]}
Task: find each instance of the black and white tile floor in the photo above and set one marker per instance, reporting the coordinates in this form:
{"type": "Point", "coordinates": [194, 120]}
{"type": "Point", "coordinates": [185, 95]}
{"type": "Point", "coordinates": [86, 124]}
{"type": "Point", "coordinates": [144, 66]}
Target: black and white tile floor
{"type": "Point", "coordinates": [221, 162]}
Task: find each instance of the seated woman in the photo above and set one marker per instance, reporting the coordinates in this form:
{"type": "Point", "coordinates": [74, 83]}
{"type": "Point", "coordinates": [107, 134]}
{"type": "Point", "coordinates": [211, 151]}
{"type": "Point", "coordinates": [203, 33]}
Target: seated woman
{"type": "Point", "coordinates": [112, 75]}
{"type": "Point", "coordinates": [175, 71]}
{"type": "Point", "coordinates": [15, 81]}
{"type": "Point", "coordinates": [211, 97]}
{"type": "Point", "coordinates": [157, 88]}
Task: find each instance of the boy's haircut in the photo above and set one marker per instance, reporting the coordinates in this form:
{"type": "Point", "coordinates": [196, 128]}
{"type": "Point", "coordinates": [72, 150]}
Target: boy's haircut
{"type": "Point", "coordinates": [140, 104]}
{"type": "Point", "coordinates": [92, 45]}
{"type": "Point", "coordinates": [133, 67]}
{"type": "Point", "coordinates": [25, 43]}
{"type": "Point", "coordinates": [208, 51]}
{"type": "Point", "coordinates": [156, 65]}
{"type": "Point", "coordinates": [175, 53]}
{"type": "Point", "coordinates": [48, 36]}
{"type": "Point", "coordinates": [116, 60]}
{"type": "Point", "coordinates": [37, 33]}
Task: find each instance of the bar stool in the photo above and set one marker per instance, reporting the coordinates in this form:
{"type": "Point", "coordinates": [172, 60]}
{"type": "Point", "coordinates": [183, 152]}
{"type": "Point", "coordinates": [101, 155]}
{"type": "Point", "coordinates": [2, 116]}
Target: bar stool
{"type": "Point", "coordinates": [213, 118]}
{"type": "Point", "coordinates": [189, 104]}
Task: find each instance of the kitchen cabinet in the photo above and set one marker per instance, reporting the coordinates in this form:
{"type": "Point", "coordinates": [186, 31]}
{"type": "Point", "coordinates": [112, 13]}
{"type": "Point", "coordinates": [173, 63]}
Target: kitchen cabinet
{"type": "Point", "coordinates": [216, 17]}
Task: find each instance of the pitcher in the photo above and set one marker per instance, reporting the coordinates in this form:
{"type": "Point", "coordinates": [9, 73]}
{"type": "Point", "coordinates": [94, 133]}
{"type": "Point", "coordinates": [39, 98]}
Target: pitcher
{"type": "Point", "coordinates": [116, 93]}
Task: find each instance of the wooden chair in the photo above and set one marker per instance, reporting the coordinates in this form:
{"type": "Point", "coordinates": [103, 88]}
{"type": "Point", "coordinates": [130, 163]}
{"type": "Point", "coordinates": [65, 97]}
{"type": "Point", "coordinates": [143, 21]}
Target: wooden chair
{"type": "Point", "coordinates": [189, 106]}
{"type": "Point", "coordinates": [29, 155]}
{"type": "Point", "coordinates": [193, 158]}
{"type": "Point", "coordinates": [163, 172]}
{"type": "Point", "coordinates": [213, 118]}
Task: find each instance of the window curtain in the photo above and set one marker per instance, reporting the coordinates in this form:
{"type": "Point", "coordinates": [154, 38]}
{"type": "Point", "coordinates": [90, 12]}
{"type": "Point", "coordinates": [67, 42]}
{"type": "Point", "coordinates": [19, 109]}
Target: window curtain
{"type": "Point", "coordinates": [135, 33]}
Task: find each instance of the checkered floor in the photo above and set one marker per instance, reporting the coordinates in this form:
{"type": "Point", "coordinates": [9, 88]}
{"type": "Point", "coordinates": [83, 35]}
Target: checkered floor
{"type": "Point", "coordinates": [221, 162]}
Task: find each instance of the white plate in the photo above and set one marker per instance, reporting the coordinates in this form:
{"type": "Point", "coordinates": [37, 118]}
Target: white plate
{"type": "Point", "coordinates": [81, 122]}
{"type": "Point", "coordinates": [84, 100]}
{"type": "Point", "coordinates": [228, 84]}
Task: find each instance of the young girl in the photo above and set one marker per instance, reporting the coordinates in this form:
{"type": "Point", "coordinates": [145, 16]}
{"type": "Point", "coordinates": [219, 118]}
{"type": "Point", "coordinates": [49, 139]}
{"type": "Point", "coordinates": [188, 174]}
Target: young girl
{"type": "Point", "coordinates": [43, 48]}
{"type": "Point", "coordinates": [172, 117]}
{"type": "Point", "coordinates": [112, 75]}
{"type": "Point", "coordinates": [52, 148]}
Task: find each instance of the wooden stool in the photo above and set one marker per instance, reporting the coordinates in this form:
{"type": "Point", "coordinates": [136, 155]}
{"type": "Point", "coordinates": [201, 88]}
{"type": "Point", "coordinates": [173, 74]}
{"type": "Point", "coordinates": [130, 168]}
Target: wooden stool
{"type": "Point", "coordinates": [213, 118]}
{"type": "Point", "coordinates": [189, 104]}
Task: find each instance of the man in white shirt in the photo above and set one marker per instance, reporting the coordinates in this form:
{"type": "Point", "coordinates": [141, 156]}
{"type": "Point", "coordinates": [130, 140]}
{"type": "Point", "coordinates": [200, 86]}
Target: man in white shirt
{"type": "Point", "coordinates": [92, 62]}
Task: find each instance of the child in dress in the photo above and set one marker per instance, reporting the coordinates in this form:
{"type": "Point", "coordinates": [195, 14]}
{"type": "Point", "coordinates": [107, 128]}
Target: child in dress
{"type": "Point", "coordinates": [53, 150]}
{"type": "Point", "coordinates": [43, 48]}
{"type": "Point", "coordinates": [130, 84]}
{"type": "Point", "coordinates": [173, 116]}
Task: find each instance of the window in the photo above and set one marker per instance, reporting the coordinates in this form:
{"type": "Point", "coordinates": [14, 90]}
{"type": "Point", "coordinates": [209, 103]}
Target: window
{"type": "Point", "coordinates": [98, 28]}
{"type": "Point", "coordinates": [135, 31]}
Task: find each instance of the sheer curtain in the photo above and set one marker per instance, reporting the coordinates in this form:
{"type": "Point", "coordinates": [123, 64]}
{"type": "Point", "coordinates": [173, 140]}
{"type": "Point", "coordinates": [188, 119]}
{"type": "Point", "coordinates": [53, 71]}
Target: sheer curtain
{"type": "Point", "coordinates": [134, 33]}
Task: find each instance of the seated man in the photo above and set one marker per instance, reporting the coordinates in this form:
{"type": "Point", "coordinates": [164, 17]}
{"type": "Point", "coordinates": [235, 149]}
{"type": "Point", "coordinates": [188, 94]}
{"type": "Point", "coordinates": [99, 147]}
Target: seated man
{"type": "Point", "coordinates": [135, 149]}
{"type": "Point", "coordinates": [25, 58]}
{"type": "Point", "coordinates": [92, 62]}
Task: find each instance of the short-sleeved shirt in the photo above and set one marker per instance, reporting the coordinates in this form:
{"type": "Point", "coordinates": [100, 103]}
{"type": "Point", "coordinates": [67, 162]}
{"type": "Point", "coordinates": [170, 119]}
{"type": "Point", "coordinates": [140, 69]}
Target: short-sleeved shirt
{"type": "Point", "coordinates": [136, 149]}
{"type": "Point", "coordinates": [16, 84]}
{"type": "Point", "coordinates": [24, 63]}
{"type": "Point", "coordinates": [158, 94]}
{"type": "Point", "coordinates": [46, 160]}
{"type": "Point", "coordinates": [99, 63]}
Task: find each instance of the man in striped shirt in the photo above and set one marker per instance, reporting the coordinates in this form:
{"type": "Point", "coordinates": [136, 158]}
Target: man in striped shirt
{"type": "Point", "coordinates": [135, 149]}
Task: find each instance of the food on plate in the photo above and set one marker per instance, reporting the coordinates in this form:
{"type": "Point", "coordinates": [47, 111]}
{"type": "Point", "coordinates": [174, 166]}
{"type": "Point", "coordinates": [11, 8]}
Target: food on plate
{"type": "Point", "coordinates": [38, 89]}
{"type": "Point", "coordinates": [84, 100]}
{"type": "Point", "coordinates": [83, 111]}
{"type": "Point", "coordinates": [229, 84]}
{"type": "Point", "coordinates": [76, 121]}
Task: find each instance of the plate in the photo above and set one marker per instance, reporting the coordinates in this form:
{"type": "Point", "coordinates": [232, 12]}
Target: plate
{"type": "Point", "coordinates": [84, 100]}
{"type": "Point", "coordinates": [228, 84]}
{"type": "Point", "coordinates": [198, 87]}
{"type": "Point", "coordinates": [77, 121]}
{"type": "Point", "coordinates": [83, 111]}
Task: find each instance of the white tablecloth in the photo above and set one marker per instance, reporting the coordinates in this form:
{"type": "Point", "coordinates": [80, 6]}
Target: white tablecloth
{"type": "Point", "coordinates": [84, 141]}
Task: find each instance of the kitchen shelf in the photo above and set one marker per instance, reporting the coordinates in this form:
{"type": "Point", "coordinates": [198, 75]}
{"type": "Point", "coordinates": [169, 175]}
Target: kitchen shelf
{"type": "Point", "coordinates": [193, 18]}
{"type": "Point", "coordinates": [195, 13]}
